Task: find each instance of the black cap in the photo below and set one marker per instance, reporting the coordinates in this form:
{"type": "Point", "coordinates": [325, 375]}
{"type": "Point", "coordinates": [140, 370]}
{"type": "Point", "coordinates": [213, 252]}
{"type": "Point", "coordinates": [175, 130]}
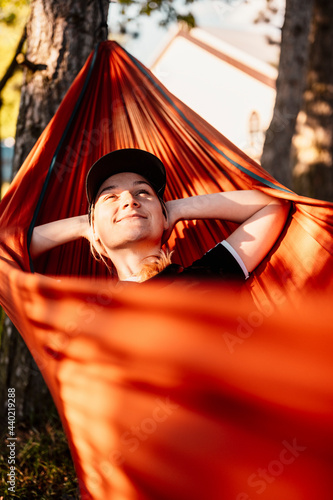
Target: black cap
{"type": "Point", "coordinates": [126, 160]}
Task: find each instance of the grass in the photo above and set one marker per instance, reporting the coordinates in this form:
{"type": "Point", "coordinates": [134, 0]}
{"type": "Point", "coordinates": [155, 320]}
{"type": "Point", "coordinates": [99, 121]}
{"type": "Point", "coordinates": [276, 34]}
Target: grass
{"type": "Point", "coordinates": [44, 467]}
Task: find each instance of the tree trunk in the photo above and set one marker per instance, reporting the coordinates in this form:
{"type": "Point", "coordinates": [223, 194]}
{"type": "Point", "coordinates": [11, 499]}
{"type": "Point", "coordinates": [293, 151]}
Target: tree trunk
{"type": "Point", "coordinates": [60, 36]}
{"type": "Point", "coordinates": [290, 85]}
{"type": "Point", "coordinates": [313, 172]}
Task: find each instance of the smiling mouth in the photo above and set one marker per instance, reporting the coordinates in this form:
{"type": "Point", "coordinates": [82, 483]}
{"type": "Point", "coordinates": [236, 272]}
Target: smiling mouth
{"type": "Point", "coordinates": [132, 216]}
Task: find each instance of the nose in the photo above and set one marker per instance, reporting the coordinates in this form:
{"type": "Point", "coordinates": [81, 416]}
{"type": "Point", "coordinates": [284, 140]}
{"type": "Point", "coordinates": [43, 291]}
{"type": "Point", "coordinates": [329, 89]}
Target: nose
{"type": "Point", "coordinates": [129, 200]}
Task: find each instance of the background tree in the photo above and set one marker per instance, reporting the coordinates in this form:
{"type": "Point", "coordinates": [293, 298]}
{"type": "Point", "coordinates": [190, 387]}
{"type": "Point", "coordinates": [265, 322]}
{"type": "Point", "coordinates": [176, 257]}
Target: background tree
{"type": "Point", "coordinates": [298, 148]}
{"type": "Point", "coordinates": [313, 142]}
{"type": "Point", "coordinates": [60, 36]}
{"type": "Point", "coordinates": [290, 85]}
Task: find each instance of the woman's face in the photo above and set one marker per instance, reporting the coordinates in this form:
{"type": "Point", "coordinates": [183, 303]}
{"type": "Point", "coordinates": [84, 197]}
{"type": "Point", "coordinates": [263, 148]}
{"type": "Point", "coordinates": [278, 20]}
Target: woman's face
{"type": "Point", "coordinates": [128, 213]}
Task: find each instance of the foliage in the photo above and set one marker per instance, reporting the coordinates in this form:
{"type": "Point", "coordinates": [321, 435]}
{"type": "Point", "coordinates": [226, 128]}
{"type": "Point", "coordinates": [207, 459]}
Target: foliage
{"type": "Point", "coordinates": [266, 15]}
{"type": "Point", "coordinates": [273, 14]}
{"type": "Point", "coordinates": [13, 17]}
{"type": "Point", "coordinates": [44, 467]}
{"type": "Point", "coordinates": [166, 8]}
{"type": "Point", "coordinates": [11, 11]}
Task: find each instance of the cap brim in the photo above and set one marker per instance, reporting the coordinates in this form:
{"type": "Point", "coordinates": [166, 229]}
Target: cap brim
{"type": "Point", "coordinates": [126, 160]}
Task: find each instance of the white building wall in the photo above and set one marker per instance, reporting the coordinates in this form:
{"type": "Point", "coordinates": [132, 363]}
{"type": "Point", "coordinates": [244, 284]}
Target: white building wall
{"type": "Point", "coordinates": [223, 95]}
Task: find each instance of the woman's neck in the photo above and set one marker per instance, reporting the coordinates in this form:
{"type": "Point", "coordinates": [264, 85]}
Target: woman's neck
{"type": "Point", "coordinates": [129, 262]}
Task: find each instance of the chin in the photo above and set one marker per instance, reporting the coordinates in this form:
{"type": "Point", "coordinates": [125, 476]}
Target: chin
{"type": "Point", "coordinates": [128, 240]}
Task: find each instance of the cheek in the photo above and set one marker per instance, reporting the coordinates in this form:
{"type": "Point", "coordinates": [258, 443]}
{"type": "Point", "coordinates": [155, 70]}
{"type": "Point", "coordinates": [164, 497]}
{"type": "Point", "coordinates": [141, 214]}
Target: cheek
{"type": "Point", "coordinates": [160, 221]}
{"type": "Point", "coordinates": [165, 223]}
{"type": "Point", "coordinates": [101, 218]}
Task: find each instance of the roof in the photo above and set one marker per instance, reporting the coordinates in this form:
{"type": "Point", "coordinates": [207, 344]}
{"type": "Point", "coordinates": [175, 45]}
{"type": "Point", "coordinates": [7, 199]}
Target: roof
{"type": "Point", "coordinates": [223, 50]}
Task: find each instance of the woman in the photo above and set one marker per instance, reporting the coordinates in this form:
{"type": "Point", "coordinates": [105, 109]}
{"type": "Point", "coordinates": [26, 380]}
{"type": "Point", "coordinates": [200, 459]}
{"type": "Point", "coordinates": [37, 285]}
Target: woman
{"type": "Point", "coordinates": [128, 221]}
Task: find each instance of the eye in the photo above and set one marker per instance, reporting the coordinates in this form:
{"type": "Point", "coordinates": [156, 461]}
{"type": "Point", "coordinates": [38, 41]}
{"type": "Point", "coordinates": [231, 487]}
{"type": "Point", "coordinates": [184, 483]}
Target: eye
{"type": "Point", "coordinates": [110, 196]}
{"type": "Point", "coordinates": [107, 197]}
{"type": "Point", "coordinates": [143, 191]}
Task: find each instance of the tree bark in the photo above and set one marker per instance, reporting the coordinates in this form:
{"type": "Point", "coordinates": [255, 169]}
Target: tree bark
{"type": "Point", "coordinates": [290, 85]}
{"type": "Point", "coordinates": [60, 36]}
{"type": "Point", "coordinates": [313, 143]}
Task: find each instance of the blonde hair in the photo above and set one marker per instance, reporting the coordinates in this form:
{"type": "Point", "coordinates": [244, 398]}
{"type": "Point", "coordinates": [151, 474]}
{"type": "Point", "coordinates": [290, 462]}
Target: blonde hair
{"type": "Point", "coordinates": [154, 265]}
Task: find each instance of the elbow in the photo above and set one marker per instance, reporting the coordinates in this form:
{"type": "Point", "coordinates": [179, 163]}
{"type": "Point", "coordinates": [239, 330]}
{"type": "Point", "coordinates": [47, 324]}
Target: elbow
{"type": "Point", "coordinates": [282, 209]}
{"type": "Point", "coordinates": [282, 204]}
{"type": "Point", "coordinates": [33, 249]}
{"type": "Point", "coordinates": [285, 208]}
{"type": "Point", "coordinates": [35, 244]}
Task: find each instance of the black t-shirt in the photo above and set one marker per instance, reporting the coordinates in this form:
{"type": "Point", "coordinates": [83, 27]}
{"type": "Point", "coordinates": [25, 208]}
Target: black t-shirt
{"type": "Point", "coordinates": [217, 263]}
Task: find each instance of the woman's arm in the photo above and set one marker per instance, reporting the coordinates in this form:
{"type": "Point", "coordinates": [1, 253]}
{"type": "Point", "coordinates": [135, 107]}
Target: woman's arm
{"type": "Point", "coordinates": [253, 239]}
{"type": "Point", "coordinates": [234, 206]}
{"type": "Point", "coordinates": [261, 216]}
{"type": "Point", "coordinates": [56, 233]}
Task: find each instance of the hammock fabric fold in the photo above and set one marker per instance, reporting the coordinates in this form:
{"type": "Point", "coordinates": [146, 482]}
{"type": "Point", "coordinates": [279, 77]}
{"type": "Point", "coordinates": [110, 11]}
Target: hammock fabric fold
{"type": "Point", "coordinates": [176, 392]}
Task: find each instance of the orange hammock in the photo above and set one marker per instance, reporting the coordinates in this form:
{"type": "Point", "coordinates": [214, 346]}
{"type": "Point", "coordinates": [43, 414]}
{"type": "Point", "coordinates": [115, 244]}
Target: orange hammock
{"type": "Point", "coordinates": [172, 393]}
